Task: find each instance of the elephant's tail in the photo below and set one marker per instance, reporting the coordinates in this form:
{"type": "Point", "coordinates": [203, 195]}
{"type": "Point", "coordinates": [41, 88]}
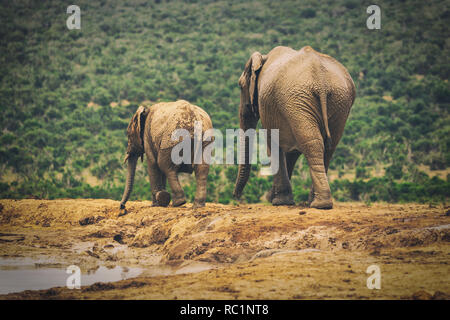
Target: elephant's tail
{"type": "Point", "coordinates": [323, 106]}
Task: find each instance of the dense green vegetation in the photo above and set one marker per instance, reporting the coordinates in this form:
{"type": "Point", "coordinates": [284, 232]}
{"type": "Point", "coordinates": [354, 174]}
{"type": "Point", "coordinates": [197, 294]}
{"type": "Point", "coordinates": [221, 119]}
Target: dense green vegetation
{"type": "Point", "coordinates": [66, 96]}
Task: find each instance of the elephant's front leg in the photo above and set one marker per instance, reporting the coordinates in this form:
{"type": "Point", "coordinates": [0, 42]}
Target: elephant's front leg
{"type": "Point", "coordinates": [282, 190]}
{"type": "Point", "coordinates": [201, 177]}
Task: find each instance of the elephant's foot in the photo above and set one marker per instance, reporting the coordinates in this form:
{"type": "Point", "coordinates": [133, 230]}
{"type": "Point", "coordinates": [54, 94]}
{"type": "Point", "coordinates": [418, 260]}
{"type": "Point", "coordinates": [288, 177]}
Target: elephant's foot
{"type": "Point", "coordinates": [322, 203]}
{"type": "Point", "coordinates": [283, 200]}
{"type": "Point", "coordinates": [179, 201]}
{"type": "Point", "coordinates": [122, 210]}
{"type": "Point", "coordinates": [198, 204]}
{"type": "Point", "coordinates": [270, 195]}
{"type": "Point", "coordinates": [162, 198]}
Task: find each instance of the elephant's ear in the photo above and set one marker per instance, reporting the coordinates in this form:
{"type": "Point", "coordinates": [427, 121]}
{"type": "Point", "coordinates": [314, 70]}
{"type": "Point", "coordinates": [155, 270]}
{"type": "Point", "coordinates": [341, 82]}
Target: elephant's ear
{"type": "Point", "coordinates": [249, 78]}
{"type": "Point", "coordinates": [135, 132]}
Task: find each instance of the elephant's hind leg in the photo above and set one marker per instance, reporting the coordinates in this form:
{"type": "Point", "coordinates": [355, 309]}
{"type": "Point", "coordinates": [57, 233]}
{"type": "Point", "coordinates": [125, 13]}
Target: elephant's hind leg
{"type": "Point", "coordinates": [321, 194]}
{"type": "Point", "coordinates": [160, 197]}
{"type": "Point", "coordinates": [201, 177]}
{"type": "Point", "coordinates": [170, 171]}
{"type": "Point", "coordinates": [336, 125]}
{"type": "Point", "coordinates": [282, 190]}
{"type": "Point", "coordinates": [178, 193]}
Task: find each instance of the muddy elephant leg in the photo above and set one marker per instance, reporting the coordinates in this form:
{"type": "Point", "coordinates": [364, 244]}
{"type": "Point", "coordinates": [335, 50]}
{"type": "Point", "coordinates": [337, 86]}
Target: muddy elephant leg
{"type": "Point", "coordinates": [163, 181]}
{"type": "Point", "coordinates": [328, 153]}
{"type": "Point", "coordinates": [178, 193]}
{"type": "Point", "coordinates": [327, 158]}
{"type": "Point", "coordinates": [201, 177]}
{"type": "Point", "coordinates": [314, 153]}
{"type": "Point", "coordinates": [291, 159]}
{"type": "Point", "coordinates": [170, 171]}
{"type": "Point", "coordinates": [160, 197]}
{"type": "Point", "coordinates": [336, 129]}
{"type": "Point", "coordinates": [282, 191]}
{"type": "Point", "coordinates": [154, 175]}
{"type": "Point", "coordinates": [155, 181]}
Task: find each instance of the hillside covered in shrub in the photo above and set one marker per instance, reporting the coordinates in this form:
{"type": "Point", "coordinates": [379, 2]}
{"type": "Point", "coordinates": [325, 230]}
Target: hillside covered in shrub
{"type": "Point", "coordinates": [66, 96]}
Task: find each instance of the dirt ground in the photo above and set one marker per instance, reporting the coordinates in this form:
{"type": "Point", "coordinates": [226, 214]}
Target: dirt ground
{"type": "Point", "coordinates": [235, 252]}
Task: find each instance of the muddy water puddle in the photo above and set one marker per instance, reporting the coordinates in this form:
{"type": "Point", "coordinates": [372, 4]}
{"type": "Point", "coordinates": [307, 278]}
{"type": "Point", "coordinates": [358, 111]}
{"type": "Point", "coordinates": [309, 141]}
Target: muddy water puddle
{"type": "Point", "coordinates": [20, 274]}
{"type": "Point", "coordinates": [26, 274]}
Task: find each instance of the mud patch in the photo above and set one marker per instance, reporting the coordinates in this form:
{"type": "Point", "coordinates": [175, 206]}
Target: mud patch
{"type": "Point", "coordinates": [224, 251]}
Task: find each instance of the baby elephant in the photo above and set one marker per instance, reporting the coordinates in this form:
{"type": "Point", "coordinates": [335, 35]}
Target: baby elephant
{"type": "Point", "coordinates": [150, 132]}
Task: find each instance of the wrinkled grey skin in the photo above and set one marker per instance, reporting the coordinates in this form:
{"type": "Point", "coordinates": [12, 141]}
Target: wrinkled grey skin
{"type": "Point", "coordinates": [307, 96]}
{"type": "Point", "coordinates": [150, 131]}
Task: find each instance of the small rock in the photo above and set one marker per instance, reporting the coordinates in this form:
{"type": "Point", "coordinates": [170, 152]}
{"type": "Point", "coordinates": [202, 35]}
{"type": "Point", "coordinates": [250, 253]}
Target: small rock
{"type": "Point", "coordinates": [302, 212]}
{"type": "Point", "coordinates": [85, 221]}
{"type": "Point", "coordinates": [118, 238]}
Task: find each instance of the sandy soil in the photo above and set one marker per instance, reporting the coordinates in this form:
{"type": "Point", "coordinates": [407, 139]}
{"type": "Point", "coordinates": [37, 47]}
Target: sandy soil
{"type": "Point", "coordinates": [235, 252]}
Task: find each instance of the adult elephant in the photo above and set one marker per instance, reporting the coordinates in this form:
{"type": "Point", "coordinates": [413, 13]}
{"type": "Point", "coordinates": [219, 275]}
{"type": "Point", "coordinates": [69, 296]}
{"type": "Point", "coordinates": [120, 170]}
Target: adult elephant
{"type": "Point", "coordinates": [307, 95]}
{"type": "Point", "coordinates": [150, 131]}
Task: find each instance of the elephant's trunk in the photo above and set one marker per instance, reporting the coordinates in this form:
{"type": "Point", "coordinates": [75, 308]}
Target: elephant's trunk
{"type": "Point", "coordinates": [132, 161]}
{"type": "Point", "coordinates": [243, 172]}
{"type": "Point", "coordinates": [248, 120]}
